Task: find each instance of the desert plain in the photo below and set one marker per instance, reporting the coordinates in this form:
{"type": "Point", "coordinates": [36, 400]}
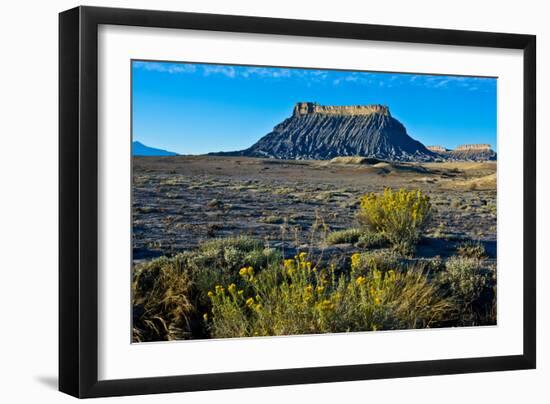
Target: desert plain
{"type": "Point", "coordinates": [292, 205]}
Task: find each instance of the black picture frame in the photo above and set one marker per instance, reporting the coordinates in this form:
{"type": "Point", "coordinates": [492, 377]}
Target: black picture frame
{"type": "Point", "coordinates": [78, 203]}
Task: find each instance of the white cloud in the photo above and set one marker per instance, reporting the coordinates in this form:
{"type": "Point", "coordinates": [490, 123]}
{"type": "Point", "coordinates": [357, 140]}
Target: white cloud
{"type": "Point", "coordinates": [228, 71]}
{"type": "Point", "coordinates": [264, 72]}
{"type": "Point", "coordinates": [172, 68]}
{"type": "Point", "coordinates": [450, 82]}
{"type": "Point", "coordinates": [441, 83]}
{"type": "Point", "coordinates": [363, 78]}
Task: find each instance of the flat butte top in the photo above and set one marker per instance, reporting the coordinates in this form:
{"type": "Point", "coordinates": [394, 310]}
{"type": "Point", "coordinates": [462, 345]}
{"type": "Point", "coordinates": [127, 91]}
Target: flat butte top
{"type": "Point", "coordinates": [308, 108]}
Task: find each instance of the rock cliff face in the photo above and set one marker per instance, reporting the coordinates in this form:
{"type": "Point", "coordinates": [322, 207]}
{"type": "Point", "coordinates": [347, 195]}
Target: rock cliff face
{"type": "Point", "coordinates": [323, 132]}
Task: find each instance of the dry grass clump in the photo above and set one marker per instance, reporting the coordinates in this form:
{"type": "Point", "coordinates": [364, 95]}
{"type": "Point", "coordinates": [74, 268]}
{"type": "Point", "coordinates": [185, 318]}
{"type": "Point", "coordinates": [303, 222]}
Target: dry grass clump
{"type": "Point", "coordinates": [162, 309]}
{"type": "Point", "coordinates": [487, 182]}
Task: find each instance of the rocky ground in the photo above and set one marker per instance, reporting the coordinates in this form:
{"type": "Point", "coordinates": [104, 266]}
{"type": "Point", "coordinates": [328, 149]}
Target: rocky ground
{"type": "Point", "coordinates": [180, 201]}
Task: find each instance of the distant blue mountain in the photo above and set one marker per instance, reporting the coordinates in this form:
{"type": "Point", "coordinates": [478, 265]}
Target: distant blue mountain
{"type": "Point", "coordinates": [139, 149]}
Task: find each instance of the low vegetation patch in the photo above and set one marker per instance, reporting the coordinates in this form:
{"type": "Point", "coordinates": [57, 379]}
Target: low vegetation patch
{"type": "Point", "coordinates": [472, 286]}
{"type": "Point", "coordinates": [383, 260]}
{"type": "Point", "coordinates": [488, 182]}
{"type": "Point", "coordinates": [344, 236]}
{"type": "Point", "coordinates": [203, 294]}
{"type": "Point", "coordinates": [272, 219]}
{"type": "Point", "coordinates": [470, 249]}
{"type": "Point", "coordinates": [360, 237]}
{"type": "Point", "coordinates": [370, 240]}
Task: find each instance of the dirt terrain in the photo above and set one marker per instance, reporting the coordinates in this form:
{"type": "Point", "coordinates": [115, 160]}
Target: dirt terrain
{"type": "Point", "coordinates": [180, 201]}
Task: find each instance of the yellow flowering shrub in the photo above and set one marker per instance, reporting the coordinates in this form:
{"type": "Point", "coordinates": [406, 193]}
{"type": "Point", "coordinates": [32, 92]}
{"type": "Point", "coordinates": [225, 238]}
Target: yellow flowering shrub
{"type": "Point", "coordinates": [295, 297]}
{"type": "Point", "coordinates": [400, 216]}
{"type": "Point", "coordinates": [355, 261]}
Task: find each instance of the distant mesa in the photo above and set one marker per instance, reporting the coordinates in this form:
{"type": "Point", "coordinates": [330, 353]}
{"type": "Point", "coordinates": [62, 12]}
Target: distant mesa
{"type": "Point", "coordinates": [139, 149]}
{"type": "Point", "coordinates": [468, 152]}
{"type": "Point", "coordinates": [322, 132]}
{"type": "Point", "coordinates": [476, 147]}
{"type": "Point", "coordinates": [437, 149]}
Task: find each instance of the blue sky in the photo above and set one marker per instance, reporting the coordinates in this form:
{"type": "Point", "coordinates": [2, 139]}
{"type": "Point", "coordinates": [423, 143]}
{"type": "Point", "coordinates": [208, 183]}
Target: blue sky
{"type": "Point", "coordinates": [192, 108]}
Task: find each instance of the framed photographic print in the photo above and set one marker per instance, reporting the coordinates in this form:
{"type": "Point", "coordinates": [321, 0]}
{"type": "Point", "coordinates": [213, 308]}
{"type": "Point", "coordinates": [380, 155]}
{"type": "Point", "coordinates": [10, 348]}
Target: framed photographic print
{"type": "Point", "coordinates": [251, 201]}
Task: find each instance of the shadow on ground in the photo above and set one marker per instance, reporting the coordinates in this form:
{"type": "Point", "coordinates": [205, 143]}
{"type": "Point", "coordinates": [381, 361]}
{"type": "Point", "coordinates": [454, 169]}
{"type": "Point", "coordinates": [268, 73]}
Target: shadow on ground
{"type": "Point", "coordinates": [48, 381]}
{"type": "Point", "coordinates": [444, 248]}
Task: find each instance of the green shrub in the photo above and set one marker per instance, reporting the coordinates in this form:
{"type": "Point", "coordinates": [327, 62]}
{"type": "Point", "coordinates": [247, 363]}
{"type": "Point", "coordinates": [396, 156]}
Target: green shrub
{"type": "Point", "coordinates": [470, 249]}
{"type": "Point", "coordinates": [218, 261]}
{"type": "Point", "coordinates": [272, 219]}
{"type": "Point", "coordinates": [229, 254]}
{"type": "Point", "coordinates": [243, 243]}
{"type": "Point", "coordinates": [383, 260]}
{"type": "Point", "coordinates": [465, 278]}
{"type": "Point", "coordinates": [399, 216]}
{"type": "Point", "coordinates": [162, 303]}
{"type": "Point", "coordinates": [472, 287]}
{"type": "Point", "coordinates": [344, 236]}
{"type": "Point", "coordinates": [371, 240]}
